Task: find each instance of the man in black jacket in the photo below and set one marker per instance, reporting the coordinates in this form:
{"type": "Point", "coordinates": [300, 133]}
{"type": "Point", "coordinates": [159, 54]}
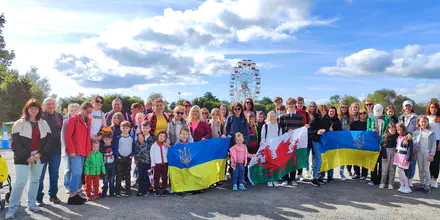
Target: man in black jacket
{"type": "Point", "coordinates": [55, 121]}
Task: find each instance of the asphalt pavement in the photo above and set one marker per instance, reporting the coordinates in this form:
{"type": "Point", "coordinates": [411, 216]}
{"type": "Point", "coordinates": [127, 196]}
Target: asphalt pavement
{"type": "Point", "coordinates": [350, 199]}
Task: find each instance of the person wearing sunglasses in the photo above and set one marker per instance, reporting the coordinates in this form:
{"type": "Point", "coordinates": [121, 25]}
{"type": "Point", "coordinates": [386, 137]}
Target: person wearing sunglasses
{"type": "Point", "coordinates": [249, 106]}
{"type": "Point", "coordinates": [175, 125]}
{"type": "Point", "coordinates": [198, 127]}
{"type": "Point", "coordinates": [98, 118]}
{"type": "Point", "coordinates": [360, 125]}
{"type": "Point", "coordinates": [369, 105]}
{"type": "Point", "coordinates": [205, 115]}
{"type": "Point", "coordinates": [187, 106]}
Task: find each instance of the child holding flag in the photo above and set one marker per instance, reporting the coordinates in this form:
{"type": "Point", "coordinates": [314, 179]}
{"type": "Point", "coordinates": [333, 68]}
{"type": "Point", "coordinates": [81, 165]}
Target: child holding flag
{"type": "Point", "coordinates": [270, 131]}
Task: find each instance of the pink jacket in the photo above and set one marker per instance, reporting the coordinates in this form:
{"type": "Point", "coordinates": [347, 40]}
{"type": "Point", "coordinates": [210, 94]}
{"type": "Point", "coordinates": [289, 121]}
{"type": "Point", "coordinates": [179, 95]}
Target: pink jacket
{"type": "Point", "coordinates": [239, 154]}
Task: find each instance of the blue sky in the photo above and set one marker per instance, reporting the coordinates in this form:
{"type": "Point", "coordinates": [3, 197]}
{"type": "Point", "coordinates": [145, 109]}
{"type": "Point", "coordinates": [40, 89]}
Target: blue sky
{"type": "Point", "coordinates": [304, 48]}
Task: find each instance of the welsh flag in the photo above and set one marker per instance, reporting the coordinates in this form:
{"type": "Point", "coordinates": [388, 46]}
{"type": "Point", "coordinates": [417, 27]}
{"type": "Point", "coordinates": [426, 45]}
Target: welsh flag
{"type": "Point", "coordinates": [282, 155]}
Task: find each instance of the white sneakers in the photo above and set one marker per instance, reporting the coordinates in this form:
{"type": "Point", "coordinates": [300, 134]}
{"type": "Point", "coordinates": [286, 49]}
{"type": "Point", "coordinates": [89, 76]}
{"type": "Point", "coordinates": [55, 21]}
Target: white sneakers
{"type": "Point", "coordinates": [434, 184]}
{"type": "Point", "coordinates": [405, 190]}
{"type": "Point", "coordinates": [410, 183]}
{"type": "Point", "coordinates": [34, 208]}
{"type": "Point", "coordinates": [300, 177]}
{"type": "Point", "coordinates": [276, 184]}
{"type": "Point", "coordinates": [381, 186]}
{"type": "Point", "coordinates": [293, 183]}
{"type": "Point", "coordinates": [390, 187]}
{"type": "Point", "coordinates": [270, 184]}
{"type": "Point", "coordinates": [284, 183]}
{"type": "Point", "coordinates": [273, 184]}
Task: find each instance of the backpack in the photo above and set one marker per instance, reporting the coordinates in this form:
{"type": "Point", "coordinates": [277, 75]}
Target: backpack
{"type": "Point", "coordinates": [3, 170]}
{"type": "Point", "coordinates": [265, 127]}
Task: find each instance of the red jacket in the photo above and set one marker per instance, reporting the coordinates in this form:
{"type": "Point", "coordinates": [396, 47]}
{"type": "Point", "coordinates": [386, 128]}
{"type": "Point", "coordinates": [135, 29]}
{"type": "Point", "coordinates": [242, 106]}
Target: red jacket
{"type": "Point", "coordinates": [202, 131]}
{"type": "Point", "coordinates": [306, 116]}
{"type": "Point", "coordinates": [78, 138]}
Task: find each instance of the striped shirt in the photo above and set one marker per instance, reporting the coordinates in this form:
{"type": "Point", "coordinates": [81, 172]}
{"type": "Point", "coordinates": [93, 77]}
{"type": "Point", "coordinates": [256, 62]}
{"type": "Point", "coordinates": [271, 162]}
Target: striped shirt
{"type": "Point", "coordinates": [292, 121]}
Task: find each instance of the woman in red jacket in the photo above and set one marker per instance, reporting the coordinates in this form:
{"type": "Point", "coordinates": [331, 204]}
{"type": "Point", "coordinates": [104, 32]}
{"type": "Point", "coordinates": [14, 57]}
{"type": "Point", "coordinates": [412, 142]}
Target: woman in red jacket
{"type": "Point", "coordinates": [199, 129]}
{"type": "Point", "coordinates": [78, 146]}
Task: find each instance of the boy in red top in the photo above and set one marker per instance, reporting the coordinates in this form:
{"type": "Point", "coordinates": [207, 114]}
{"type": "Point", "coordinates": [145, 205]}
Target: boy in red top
{"type": "Point", "coordinates": [159, 163]}
{"type": "Point", "coordinates": [239, 155]}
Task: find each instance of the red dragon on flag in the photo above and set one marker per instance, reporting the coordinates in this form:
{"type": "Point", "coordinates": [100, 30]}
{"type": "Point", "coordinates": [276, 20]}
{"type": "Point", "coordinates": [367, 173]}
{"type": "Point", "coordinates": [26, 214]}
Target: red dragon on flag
{"type": "Point", "coordinates": [283, 155]}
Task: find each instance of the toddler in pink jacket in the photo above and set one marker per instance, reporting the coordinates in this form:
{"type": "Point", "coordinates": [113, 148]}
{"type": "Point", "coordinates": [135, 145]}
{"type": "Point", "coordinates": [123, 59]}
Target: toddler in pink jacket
{"type": "Point", "coordinates": [239, 155]}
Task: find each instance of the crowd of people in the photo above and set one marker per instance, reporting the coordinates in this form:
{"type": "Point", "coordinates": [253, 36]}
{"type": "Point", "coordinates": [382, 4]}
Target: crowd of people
{"type": "Point", "coordinates": [94, 144]}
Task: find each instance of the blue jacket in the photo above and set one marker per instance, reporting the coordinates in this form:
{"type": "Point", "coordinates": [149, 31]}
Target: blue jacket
{"type": "Point", "coordinates": [244, 127]}
{"type": "Point", "coordinates": [411, 128]}
{"type": "Point", "coordinates": [133, 146]}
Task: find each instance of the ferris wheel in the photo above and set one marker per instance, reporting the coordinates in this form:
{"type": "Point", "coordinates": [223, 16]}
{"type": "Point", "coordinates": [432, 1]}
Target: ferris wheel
{"type": "Point", "coordinates": [245, 81]}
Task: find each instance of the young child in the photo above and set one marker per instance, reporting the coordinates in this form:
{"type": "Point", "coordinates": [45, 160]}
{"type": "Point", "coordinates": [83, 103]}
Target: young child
{"type": "Point", "coordinates": [125, 149]}
{"type": "Point", "coordinates": [184, 136]}
{"type": "Point", "coordinates": [142, 158]}
{"type": "Point", "coordinates": [253, 133]}
{"type": "Point", "coordinates": [93, 168]}
{"type": "Point", "coordinates": [136, 129]}
{"type": "Point", "coordinates": [117, 119]}
{"type": "Point", "coordinates": [403, 157]}
{"type": "Point", "coordinates": [270, 131]}
{"type": "Point", "coordinates": [108, 150]}
{"type": "Point", "coordinates": [387, 154]}
{"type": "Point", "coordinates": [425, 146]}
{"type": "Point", "coordinates": [239, 155]}
{"type": "Point", "coordinates": [159, 163]}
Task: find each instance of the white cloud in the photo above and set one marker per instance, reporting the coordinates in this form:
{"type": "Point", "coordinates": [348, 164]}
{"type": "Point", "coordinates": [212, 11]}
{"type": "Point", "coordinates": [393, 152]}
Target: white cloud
{"type": "Point", "coordinates": [407, 62]}
{"type": "Point", "coordinates": [175, 47]}
{"type": "Point", "coordinates": [422, 92]}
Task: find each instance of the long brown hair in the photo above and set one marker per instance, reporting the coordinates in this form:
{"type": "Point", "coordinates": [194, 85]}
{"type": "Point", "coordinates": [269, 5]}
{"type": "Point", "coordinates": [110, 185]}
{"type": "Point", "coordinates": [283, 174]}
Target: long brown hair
{"type": "Point", "coordinates": [346, 114]}
{"type": "Point", "coordinates": [29, 104]}
{"type": "Point", "coordinates": [428, 112]}
{"type": "Point", "coordinates": [387, 133]}
{"type": "Point", "coordinates": [252, 105]}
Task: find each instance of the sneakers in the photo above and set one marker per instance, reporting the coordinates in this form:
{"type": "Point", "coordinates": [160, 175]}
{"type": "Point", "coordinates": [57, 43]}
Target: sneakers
{"type": "Point", "coordinates": [371, 183]}
{"type": "Point", "coordinates": [34, 208]}
{"type": "Point", "coordinates": [355, 177]}
{"type": "Point", "coordinates": [362, 178]}
{"type": "Point", "coordinates": [434, 184]}
{"type": "Point", "coordinates": [405, 190]}
{"type": "Point", "coordinates": [270, 184]}
{"type": "Point", "coordinates": [235, 188]}
{"type": "Point", "coordinates": [294, 183]}
{"type": "Point", "coordinates": [40, 203]}
{"type": "Point", "coordinates": [55, 200]}
{"type": "Point", "coordinates": [118, 195]}
{"type": "Point", "coordinates": [76, 200]}
{"type": "Point", "coordinates": [157, 194]}
{"type": "Point", "coordinates": [381, 186]}
{"type": "Point", "coordinates": [10, 214]}
{"type": "Point", "coordinates": [410, 183]}
{"type": "Point", "coordinates": [300, 177]}
{"type": "Point", "coordinates": [329, 180]}
{"type": "Point", "coordinates": [276, 184]}
{"type": "Point", "coordinates": [315, 183]}
{"type": "Point", "coordinates": [427, 190]}
{"type": "Point", "coordinates": [284, 183]}
{"type": "Point", "coordinates": [390, 187]}
{"type": "Point", "coordinates": [242, 188]}
{"type": "Point", "coordinates": [142, 194]}
{"type": "Point", "coordinates": [342, 176]}
{"type": "Point", "coordinates": [320, 181]}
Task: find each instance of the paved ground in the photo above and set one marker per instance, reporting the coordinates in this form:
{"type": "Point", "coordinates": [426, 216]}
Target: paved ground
{"type": "Point", "coordinates": [340, 200]}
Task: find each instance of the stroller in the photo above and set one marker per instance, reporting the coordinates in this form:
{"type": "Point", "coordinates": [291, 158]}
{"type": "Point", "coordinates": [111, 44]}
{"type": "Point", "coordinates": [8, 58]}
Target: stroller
{"type": "Point", "coordinates": [5, 181]}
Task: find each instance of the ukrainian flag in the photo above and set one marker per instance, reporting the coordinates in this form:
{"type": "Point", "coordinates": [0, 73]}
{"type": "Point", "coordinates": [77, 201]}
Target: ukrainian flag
{"type": "Point", "coordinates": [340, 148]}
{"type": "Point", "coordinates": [196, 166]}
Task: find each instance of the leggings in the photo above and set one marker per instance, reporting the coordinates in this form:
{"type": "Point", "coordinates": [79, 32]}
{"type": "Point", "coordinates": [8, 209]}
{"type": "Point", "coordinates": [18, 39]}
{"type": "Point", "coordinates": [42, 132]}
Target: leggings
{"type": "Point", "coordinates": [435, 164]}
{"type": "Point", "coordinates": [403, 178]}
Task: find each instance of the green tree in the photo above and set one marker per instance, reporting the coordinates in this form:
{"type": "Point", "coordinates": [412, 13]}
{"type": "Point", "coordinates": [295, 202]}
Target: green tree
{"type": "Point", "coordinates": [349, 99]}
{"type": "Point", "coordinates": [265, 101]}
{"type": "Point", "coordinates": [172, 105]}
{"type": "Point", "coordinates": [383, 97]}
{"type": "Point", "coordinates": [335, 99]}
{"type": "Point", "coordinates": [6, 56]}
{"type": "Point", "coordinates": [41, 87]}
{"type": "Point", "coordinates": [155, 95]}
{"type": "Point", "coordinates": [434, 100]}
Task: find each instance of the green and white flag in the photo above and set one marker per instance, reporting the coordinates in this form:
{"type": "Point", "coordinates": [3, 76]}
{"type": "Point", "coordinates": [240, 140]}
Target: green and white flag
{"type": "Point", "coordinates": [279, 157]}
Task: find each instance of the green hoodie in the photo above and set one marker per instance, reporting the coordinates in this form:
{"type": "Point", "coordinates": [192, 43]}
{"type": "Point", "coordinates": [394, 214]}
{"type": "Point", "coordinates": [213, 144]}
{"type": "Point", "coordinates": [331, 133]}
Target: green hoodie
{"type": "Point", "coordinates": [94, 164]}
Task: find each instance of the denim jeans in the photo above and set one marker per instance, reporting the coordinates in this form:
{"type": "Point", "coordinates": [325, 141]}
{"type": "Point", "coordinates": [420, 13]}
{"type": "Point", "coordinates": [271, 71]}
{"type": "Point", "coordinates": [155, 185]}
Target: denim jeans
{"type": "Point", "coordinates": [109, 178]}
{"type": "Point", "coordinates": [54, 167]}
{"type": "Point", "coordinates": [144, 180]}
{"type": "Point", "coordinates": [329, 174]}
{"type": "Point", "coordinates": [73, 174]}
{"type": "Point", "coordinates": [238, 174]}
{"type": "Point", "coordinates": [317, 159]}
{"type": "Point", "coordinates": [412, 168]}
{"type": "Point", "coordinates": [23, 172]}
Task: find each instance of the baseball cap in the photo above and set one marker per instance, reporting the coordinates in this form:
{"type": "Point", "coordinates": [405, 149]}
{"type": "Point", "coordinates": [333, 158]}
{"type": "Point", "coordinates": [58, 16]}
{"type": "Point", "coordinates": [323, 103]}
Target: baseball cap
{"type": "Point", "coordinates": [407, 102]}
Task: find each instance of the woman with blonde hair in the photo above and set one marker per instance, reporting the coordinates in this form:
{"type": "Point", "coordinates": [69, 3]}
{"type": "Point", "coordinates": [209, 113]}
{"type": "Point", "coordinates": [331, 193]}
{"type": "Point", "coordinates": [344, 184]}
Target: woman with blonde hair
{"type": "Point", "coordinates": [354, 111]}
{"type": "Point", "coordinates": [199, 128]}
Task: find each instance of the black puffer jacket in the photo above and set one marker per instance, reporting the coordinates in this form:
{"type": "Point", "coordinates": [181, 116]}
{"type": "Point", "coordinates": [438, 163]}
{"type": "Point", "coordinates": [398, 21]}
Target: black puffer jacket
{"type": "Point", "coordinates": [22, 140]}
{"type": "Point", "coordinates": [317, 124]}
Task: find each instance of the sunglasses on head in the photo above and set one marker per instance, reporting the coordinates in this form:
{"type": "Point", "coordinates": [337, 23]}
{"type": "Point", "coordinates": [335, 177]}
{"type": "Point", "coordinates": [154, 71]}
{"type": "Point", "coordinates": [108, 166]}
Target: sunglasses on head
{"type": "Point", "coordinates": [180, 113]}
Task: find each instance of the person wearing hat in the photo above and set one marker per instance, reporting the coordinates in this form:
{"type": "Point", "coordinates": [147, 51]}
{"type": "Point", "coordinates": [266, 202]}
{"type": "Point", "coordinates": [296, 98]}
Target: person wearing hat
{"type": "Point", "coordinates": [409, 119]}
{"type": "Point", "coordinates": [78, 147]}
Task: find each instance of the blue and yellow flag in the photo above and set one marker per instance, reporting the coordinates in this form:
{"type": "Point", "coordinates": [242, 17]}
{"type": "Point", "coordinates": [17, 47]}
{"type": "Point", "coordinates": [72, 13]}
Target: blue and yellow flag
{"type": "Point", "coordinates": [196, 166]}
{"type": "Point", "coordinates": [339, 148]}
